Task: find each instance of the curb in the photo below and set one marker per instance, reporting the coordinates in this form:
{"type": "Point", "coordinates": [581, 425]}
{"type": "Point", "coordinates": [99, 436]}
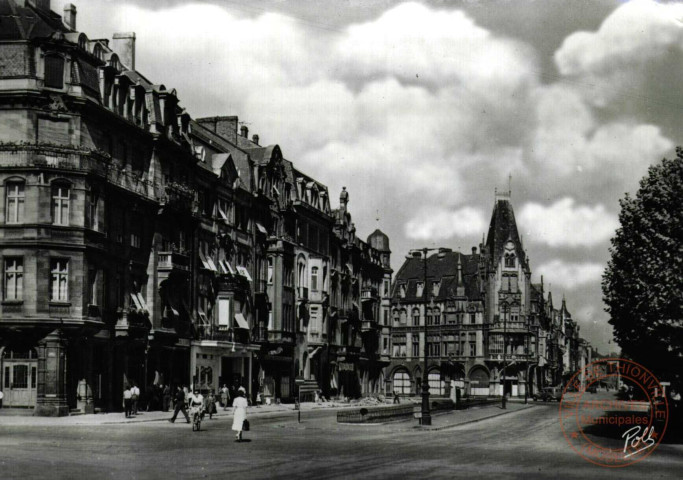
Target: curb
{"type": "Point", "coordinates": [434, 429]}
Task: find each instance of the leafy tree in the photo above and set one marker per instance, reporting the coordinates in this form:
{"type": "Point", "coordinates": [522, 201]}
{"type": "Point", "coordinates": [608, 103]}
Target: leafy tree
{"type": "Point", "coordinates": [643, 282]}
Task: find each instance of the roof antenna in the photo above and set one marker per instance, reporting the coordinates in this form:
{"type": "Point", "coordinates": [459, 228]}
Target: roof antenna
{"type": "Point", "coordinates": [377, 218]}
{"type": "Point", "coordinates": [510, 184]}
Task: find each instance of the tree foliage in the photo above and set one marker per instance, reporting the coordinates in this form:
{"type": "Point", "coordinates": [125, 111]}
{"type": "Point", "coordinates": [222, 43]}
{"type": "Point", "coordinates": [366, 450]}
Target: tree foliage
{"type": "Point", "coordinates": [643, 282]}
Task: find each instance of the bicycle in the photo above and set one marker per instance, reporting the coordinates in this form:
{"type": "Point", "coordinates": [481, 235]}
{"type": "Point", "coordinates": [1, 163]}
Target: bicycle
{"type": "Point", "coordinates": [197, 413]}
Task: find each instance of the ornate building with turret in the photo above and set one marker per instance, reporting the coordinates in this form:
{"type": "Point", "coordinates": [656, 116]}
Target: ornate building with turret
{"type": "Point", "coordinates": [141, 246]}
{"type": "Point", "coordinates": [488, 329]}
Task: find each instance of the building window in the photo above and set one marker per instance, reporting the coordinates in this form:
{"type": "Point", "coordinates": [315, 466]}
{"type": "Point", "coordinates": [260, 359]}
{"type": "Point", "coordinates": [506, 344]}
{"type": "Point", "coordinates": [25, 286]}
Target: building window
{"type": "Point", "coordinates": [416, 349]}
{"type": "Point", "coordinates": [436, 286]}
{"type": "Point", "coordinates": [436, 385]}
{"type": "Point", "coordinates": [386, 317]}
{"type": "Point", "coordinates": [270, 271]}
{"type": "Point", "coordinates": [60, 204]}
{"type": "Point", "coordinates": [59, 280]}
{"type": "Point", "coordinates": [93, 209]}
{"type": "Point", "coordinates": [15, 202]}
{"type": "Point", "coordinates": [416, 317]}
{"type": "Point", "coordinates": [385, 345]}
{"type": "Point", "coordinates": [509, 260]}
{"type": "Point", "coordinates": [314, 278]}
{"type": "Point", "coordinates": [473, 318]}
{"type": "Point", "coordinates": [54, 71]}
{"type": "Point", "coordinates": [136, 234]}
{"type": "Point", "coordinates": [386, 288]}
{"type": "Point", "coordinates": [401, 382]}
{"type": "Point", "coordinates": [513, 283]}
{"type": "Point", "coordinates": [420, 289]}
{"type": "Point", "coordinates": [434, 349]}
{"type": "Point", "coordinates": [14, 278]}
{"type": "Point", "coordinates": [473, 345]}
{"type": "Point", "coordinates": [436, 316]}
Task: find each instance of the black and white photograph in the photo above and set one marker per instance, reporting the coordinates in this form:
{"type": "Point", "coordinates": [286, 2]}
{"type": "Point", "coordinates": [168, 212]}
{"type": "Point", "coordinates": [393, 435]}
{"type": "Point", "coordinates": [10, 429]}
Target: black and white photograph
{"type": "Point", "coordinates": [341, 239]}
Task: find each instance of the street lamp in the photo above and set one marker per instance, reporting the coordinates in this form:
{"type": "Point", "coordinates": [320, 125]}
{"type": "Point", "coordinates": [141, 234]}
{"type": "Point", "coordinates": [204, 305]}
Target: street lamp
{"type": "Point", "coordinates": [426, 418]}
{"type": "Point", "coordinates": [505, 347]}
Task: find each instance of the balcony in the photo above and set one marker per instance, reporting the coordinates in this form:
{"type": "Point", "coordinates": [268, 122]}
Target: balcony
{"type": "Point", "coordinates": [212, 332]}
{"type": "Point", "coordinates": [369, 294]}
{"type": "Point", "coordinates": [81, 160]}
{"type": "Point", "coordinates": [173, 260]}
{"type": "Point", "coordinates": [368, 325]}
{"type": "Point", "coordinates": [179, 197]}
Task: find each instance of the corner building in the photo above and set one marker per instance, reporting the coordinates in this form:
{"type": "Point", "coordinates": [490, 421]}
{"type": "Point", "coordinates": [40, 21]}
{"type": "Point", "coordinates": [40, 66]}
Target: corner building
{"type": "Point", "coordinates": [140, 245]}
{"type": "Point", "coordinates": [487, 329]}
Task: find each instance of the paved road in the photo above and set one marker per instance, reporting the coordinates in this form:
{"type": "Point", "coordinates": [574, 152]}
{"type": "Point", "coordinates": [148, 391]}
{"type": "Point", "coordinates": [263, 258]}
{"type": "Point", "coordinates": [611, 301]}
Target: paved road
{"type": "Point", "coordinates": [527, 443]}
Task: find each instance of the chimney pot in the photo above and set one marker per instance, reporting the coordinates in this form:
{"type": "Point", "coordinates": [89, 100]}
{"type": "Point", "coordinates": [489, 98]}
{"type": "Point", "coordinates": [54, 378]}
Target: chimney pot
{"type": "Point", "coordinates": [245, 131]}
{"type": "Point", "coordinates": [255, 139]}
{"type": "Point", "coordinates": [70, 16]}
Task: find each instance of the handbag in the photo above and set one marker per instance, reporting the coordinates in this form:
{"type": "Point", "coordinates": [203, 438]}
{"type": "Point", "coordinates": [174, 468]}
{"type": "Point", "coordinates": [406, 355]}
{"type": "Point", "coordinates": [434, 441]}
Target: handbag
{"type": "Point", "coordinates": [245, 425]}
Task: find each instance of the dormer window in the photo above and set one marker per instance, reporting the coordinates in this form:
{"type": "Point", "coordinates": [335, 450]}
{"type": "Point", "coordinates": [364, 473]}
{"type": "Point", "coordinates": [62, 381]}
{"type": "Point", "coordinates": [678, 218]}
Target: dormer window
{"type": "Point", "coordinates": [509, 260]}
{"type": "Point", "coordinates": [436, 286]}
{"type": "Point", "coordinates": [54, 71]}
{"type": "Point", "coordinates": [420, 289]}
{"type": "Point", "coordinates": [402, 290]}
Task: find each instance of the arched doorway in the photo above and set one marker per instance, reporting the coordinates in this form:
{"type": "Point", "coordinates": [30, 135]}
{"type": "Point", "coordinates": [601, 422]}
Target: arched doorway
{"type": "Point", "coordinates": [19, 378]}
{"type": "Point", "coordinates": [479, 381]}
{"type": "Point", "coordinates": [401, 382]}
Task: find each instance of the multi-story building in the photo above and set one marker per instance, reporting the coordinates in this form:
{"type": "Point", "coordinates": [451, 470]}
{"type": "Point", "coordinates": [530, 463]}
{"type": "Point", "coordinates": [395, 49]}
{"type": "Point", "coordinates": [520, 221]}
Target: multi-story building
{"type": "Point", "coordinates": [487, 329]}
{"type": "Point", "coordinates": [138, 245]}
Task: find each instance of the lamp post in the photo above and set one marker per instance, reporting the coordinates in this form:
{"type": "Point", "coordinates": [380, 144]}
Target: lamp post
{"type": "Point", "coordinates": [505, 348]}
{"type": "Point", "coordinates": [425, 417]}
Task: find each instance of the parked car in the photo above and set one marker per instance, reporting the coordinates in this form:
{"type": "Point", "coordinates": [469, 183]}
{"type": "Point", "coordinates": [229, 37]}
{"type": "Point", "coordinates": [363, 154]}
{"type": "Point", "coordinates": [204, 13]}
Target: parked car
{"type": "Point", "coordinates": [548, 394]}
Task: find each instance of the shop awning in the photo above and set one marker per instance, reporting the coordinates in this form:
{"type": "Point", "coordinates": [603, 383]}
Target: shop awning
{"type": "Point", "coordinates": [241, 321]}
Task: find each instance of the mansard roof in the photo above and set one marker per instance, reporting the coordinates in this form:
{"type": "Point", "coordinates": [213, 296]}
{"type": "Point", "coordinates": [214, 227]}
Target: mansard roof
{"type": "Point", "coordinates": [26, 23]}
{"type": "Point", "coordinates": [502, 228]}
{"type": "Point", "coordinates": [441, 267]}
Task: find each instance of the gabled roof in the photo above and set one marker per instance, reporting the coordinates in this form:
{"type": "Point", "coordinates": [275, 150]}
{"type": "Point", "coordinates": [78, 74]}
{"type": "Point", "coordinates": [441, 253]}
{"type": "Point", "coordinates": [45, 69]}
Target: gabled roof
{"type": "Point", "coordinates": [502, 228]}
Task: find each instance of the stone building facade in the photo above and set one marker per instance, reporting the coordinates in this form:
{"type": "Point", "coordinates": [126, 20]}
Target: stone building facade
{"type": "Point", "coordinates": [488, 329]}
{"type": "Point", "coordinates": [140, 245]}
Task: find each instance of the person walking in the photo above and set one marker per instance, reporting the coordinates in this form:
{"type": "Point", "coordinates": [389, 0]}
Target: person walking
{"type": "Point", "coordinates": [239, 411]}
{"type": "Point", "coordinates": [179, 406]}
{"type": "Point", "coordinates": [135, 396]}
{"type": "Point", "coordinates": [127, 401]}
{"type": "Point", "coordinates": [210, 404]}
{"type": "Point", "coordinates": [225, 398]}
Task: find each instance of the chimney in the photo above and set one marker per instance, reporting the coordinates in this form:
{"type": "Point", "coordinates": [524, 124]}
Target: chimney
{"type": "Point", "coordinates": [124, 45]}
{"type": "Point", "coordinates": [255, 139]}
{"type": "Point", "coordinates": [474, 250]}
{"type": "Point", "coordinates": [70, 16]}
{"type": "Point", "coordinates": [226, 127]}
{"type": "Point", "coordinates": [244, 131]}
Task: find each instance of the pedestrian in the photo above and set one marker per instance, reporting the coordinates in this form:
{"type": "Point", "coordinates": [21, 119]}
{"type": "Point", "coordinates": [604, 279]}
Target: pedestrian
{"type": "Point", "coordinates": [225, 397]}
{"type": "Point", "coordinates": [135, 396]}
{"type": "Point", "coordinates": [167, 398]}
{"type": "Point", "coordinates": [179, 405]}
{"type": "Point", "coordinates": [396, 399]}
{"type": "Point", "coordinates": [127, 401]}
{"type": "Point", "coordinates": [210, 405]}
{"type": "Point", "coordinates": [239, 411]}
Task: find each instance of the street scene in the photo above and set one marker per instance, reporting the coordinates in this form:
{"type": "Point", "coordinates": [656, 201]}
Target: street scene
{"type": "Point", "coordinates": [341, 239]}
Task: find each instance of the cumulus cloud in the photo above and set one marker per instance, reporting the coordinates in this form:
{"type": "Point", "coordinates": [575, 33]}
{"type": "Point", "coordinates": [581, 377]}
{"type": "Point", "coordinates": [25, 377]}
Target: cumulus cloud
{"type": "Point", "coordinates": [439, 224]}
{"type": "Point", "coordinates": [570, 275]}
{"type": "Point", "coordinates": [619, 57]}
{"type": "Point", "coordinates": [564, 224]}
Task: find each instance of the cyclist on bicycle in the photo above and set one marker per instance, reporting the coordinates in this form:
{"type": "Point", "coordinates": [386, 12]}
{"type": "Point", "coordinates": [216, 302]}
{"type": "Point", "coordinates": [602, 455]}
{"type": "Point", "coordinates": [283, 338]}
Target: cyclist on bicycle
{"type": "Point", "coordinates": [196, 403]}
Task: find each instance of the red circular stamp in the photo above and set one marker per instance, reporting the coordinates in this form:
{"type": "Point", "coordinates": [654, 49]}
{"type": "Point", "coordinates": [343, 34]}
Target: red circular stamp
{"type": "Point", "coordinates": [614, 429]}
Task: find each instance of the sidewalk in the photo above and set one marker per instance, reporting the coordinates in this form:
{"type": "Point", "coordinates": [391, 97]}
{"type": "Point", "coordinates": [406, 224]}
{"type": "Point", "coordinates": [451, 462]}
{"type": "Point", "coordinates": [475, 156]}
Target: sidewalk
{"type": "Point", "coordinates": [9, 416]}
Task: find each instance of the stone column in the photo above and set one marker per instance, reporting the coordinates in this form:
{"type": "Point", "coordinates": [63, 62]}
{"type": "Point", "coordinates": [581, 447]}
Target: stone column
{"type": "Point", "coordinates": [51, 400]}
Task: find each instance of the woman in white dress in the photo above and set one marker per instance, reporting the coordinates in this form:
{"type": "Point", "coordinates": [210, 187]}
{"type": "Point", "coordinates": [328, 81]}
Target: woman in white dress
{"type": "Point", "coordinates": [239, 411]}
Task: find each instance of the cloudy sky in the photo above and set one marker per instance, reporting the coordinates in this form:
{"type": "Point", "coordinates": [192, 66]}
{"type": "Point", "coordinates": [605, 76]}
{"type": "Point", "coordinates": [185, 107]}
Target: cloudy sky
{"type": "Point", "coordinates": [421, 109]}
